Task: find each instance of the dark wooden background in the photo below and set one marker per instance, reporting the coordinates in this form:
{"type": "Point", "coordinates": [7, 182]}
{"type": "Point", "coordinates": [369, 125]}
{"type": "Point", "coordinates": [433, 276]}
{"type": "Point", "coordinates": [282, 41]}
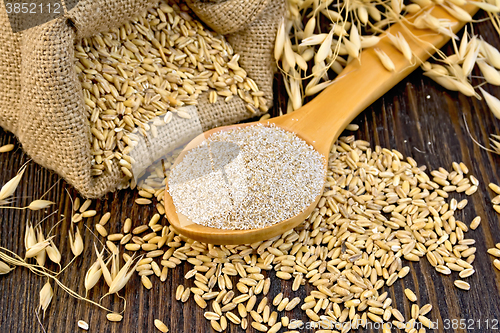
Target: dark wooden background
{"type": "Point", "coordinates": [417, 117]}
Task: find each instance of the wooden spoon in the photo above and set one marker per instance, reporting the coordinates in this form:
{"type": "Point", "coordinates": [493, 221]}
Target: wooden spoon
{"type": "Point", "coordinates": [321, 121]}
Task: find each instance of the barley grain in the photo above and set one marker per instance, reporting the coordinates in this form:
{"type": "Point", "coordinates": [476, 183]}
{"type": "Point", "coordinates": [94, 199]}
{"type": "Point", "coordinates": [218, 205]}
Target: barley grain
{"type": "Point", "coordinates": [6, 148]}
{"type": "Point", "coordinates": [494, 252]}
{"type": "Point", "coordinates": [494, 187]}
{"type": "Point", "coordinates": [142, 201]}
{"type": "Point", "coordinates": [127, 225]}
{"type": "Point", "coordinates": [466, 273]}
{"type": "Point", "coordinates": [83, 325]}
{"type": "Point", "coordinates": [462, 284]}
{"type": "Point", "coordinates": [161, 326]}
{"type": "Point", "coordinates": [185, 295]}
{"type": "Point", "coordinates": [115, 317]}
{"type": "Point", "coordinates": [85, 205]}
{"type": "Point", "coordinates": [105, 218]}
{"type": "Point", "coordinates": [410, 295]}
{"type": "Point", "coordinates": [215, 325]}
{"type": "Point", "coordinates": [259, 327]}
{"type": "Point", "coordinates": [89, 213]}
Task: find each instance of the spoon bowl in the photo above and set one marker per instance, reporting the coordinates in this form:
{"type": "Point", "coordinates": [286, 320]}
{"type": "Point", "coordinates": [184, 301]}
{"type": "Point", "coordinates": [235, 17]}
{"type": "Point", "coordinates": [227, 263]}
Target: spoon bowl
{"type": "Point", "coordinates": [321, 121]}
{"type": "Point", "coordinates": [186, 227]}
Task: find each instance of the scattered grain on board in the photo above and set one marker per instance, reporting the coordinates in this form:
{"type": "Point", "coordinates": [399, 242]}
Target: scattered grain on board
{"type": "Point", "coordinates": [350, 246]}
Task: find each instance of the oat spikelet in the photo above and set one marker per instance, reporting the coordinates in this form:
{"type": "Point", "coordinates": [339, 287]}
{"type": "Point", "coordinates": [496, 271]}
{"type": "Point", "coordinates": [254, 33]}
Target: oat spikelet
{"type": "Point", "coordinates": [491, 53]}
{"type": "Point", "coordinates": [10, 187]}
{"type": "Point", "coordinates": [53, 252]}
{"type": "Point", "coordinates": [289, 54]}
{"type": "Point", "coordinates": [470, 58]}
{"type": "Point", "coordinates": [39, 204]}
{"type": "Point", "coordinates": [385, 60]}
{"type": "Point", "coordinates": [280, 40]}
{"type": "Point", "coordinates": [115, 268]}
{"type": "Point", "coordinates": [457, 12]}
{"type": "Point", "coordinates": [396, 6]}
{"type": "Point", "coordinates": [313, 40]}
{"type": "Point", "coordinates": [492, 101]}
{"type": "Point", "coordinates": [309, 28]}
{"type": "Point", "coordinates": [41, 257]}
{"type": "Point", "coordinates": [402, 45]}
{"type": "Point", "coordinates": [491, 75]}
{"type": "Point", "coordinates": [29, 237]}
{"type": "Point", "coordinates": [295, 94]}
{"type": "Point", "coordinates": [352, 50]}
{"type": "Point", "coordinates": [363, 14]}
{"type": "Point", "coordinates": [325, 47]}
{"type": "Point", "coordinates": [46, 294]}
{"type": "Point", "coordinates": [486, 6]}
{"type": "Point", "coordinates": [369, 41]}
{"type": "Point", "coordinates": [462, 50]}
{"type": "Point", "coordinates": [123, 276]}
{"type": "Point", "coordinates": [317, 88]}
{"type": "Point", "coordinates": [76, 242]}
{"type": "Point", "coordinates": [93, 276]}
{"type": "Point", "coordinates": [495, 140]}
{"type": "Point", "coordinates": [4, 268]}
{"type": "Point", "coordinates": [104, 268]}
{"type": "Point", "coordinates": [35, 249]}
{"type": "Point", "coordinates": [300, 62]}
{"type": "Point", "coordinates": [354, 36]}
{"type": "Point", "coordinates": [465, 88]}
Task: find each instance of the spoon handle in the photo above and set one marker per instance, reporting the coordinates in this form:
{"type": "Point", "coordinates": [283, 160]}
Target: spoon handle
{"type": "Point", "coordinates": [321, 121]}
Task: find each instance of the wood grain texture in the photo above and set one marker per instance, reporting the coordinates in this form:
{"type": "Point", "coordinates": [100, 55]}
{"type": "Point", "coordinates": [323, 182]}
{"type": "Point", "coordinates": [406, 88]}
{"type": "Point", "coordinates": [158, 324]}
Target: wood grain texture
{"type": "Point", "coordinates": [417, 117]}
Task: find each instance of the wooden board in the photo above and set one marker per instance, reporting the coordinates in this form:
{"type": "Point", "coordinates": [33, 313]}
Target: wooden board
{"type": "Point", "coordinates": [417, 117]}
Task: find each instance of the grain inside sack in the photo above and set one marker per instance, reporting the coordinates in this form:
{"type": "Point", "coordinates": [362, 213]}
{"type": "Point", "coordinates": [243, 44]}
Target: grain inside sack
{"type": "Point", "coordinates": [138, 77]}
{"type": "Point", "coordinates": [80, 120]}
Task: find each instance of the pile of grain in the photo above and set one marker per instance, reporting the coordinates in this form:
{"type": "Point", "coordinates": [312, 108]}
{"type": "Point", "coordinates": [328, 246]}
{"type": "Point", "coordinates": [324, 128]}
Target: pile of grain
{"type": "Point", "coordinates": [151, 67]}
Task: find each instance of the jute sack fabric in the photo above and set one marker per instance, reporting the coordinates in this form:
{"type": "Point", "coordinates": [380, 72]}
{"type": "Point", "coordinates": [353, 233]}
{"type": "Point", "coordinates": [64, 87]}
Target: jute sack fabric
{"type": "Point", "coordinates": [41, 99]}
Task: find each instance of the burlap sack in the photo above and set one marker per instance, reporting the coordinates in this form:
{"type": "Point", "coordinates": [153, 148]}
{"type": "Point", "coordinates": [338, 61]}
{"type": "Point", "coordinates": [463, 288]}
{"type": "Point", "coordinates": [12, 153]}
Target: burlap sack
{"type": "Point", "coordinates": [41, 99]}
